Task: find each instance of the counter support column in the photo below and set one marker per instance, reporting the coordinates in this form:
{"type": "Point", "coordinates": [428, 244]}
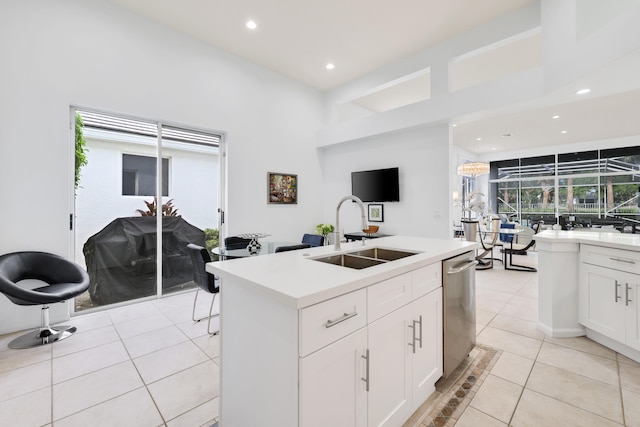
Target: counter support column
{"type": "Point", "coordinates": [558, 278]}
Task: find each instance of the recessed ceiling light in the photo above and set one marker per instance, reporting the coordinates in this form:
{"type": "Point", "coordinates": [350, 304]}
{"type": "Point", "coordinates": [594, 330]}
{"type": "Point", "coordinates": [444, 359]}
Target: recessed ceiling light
{"type": "Point", "coordinates": [583, 91]}
{"type": "Point", "coordinates": [251, 24]}
{"type": "Point", "coordinates": [555, 117]}
{"type": "Point", "coordinates": [330, 66]}
{"type": "Point", "coordinates": [493, 148]}
{"type": "Point", "coordinates": [478, 139]}
{"type": "Point", "coordinates": [454, 125]}
{"type": "Point", "coordinates": [563, 131]}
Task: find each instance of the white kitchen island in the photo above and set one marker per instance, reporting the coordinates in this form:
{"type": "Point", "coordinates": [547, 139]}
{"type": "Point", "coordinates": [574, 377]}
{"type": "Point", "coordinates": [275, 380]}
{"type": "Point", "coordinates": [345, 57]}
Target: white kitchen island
{"type": "Point", "coordinates": [307, 343]}
{"type": "Point", "coordinates": [589, 284]}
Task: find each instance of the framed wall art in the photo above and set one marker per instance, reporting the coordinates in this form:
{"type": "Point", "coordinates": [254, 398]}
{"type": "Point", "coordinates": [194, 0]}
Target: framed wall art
{"type": "Point", "coordinates": [375, 213]}
{"type": "Point", "coordinates": [282, 188]}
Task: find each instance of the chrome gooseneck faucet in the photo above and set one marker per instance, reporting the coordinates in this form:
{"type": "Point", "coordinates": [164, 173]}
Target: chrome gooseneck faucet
{"type": "Point", "coordinates": [336, 245]}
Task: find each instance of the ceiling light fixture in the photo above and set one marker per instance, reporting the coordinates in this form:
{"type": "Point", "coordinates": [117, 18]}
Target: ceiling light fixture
{"type": "Point", "coordinates": [583, 91]}
{"type": "Point", "coordinates": [251, 24]}
{"type": "Point", "coordinates": [473, 169]}
{"type": "Point", "coordinates": [564, 131]}
{"type": "Point", "coordinates": [555, 117]}
{"type": "Point", "coordinates": [478, 139]}
{"type": "Point", "coordinates": [330, 66]}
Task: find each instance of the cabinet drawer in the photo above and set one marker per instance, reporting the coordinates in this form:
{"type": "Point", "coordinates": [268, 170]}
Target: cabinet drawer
{"type": "Point", "coordinates": [618, 259]}
{"type": "Point", "coordinates": [389, 295]}
{"type": "Point", "coordinates": [426, 279]}
{"type": "Point", "coordinates": [328, 321]}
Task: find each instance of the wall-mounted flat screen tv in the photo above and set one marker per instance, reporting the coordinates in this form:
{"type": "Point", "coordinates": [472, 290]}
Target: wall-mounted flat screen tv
{"type": "Point", "coordinates": [380, 185]}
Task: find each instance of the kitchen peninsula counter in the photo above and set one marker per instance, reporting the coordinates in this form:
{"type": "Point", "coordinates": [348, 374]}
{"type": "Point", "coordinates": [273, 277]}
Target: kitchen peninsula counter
{"type": "Point", "coordinates": [589, 284]}
{"type": "Point", "coordinates": [306, 343]}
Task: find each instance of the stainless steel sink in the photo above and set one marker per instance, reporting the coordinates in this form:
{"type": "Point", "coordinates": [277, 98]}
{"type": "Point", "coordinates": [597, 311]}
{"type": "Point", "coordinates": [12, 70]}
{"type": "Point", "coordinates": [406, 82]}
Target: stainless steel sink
{"type": "Point", "coordinates": [383, 254]}
{"type": "Point", "coordinates": [365, 258]}
{"type": "Point", "coordinates": [346, 260]}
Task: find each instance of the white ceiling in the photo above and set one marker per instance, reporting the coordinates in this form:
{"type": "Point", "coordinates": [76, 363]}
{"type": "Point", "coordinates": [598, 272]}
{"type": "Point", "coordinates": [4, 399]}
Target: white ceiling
{"type": "Point", "coordinates": [297, 38]}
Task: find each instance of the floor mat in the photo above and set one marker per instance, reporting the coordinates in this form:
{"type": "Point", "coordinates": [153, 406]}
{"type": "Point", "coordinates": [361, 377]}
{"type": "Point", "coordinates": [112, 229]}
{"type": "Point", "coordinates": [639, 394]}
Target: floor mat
{"type": "Point", "coordinates": [454, 393]}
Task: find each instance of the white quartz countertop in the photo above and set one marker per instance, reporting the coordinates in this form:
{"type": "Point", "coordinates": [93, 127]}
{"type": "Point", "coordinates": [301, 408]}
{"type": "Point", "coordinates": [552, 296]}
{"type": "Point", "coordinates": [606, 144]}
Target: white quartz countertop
{"type": "Point", "coordinates": [624, 241]}
{"type": "Point", "coordinates": [296, 279]}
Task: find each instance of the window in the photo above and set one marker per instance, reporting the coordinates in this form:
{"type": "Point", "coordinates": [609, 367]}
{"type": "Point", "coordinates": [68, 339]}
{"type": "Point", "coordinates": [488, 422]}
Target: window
{"type": "Point", "coordinates": [139, 175]}
{"type": "Point", "coordinates": [594, 184]}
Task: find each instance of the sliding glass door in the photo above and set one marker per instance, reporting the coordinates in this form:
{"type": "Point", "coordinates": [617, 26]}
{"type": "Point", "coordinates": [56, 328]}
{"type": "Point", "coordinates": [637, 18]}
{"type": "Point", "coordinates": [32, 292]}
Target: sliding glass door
{"type": "Point", "coordinates": [146, 191]}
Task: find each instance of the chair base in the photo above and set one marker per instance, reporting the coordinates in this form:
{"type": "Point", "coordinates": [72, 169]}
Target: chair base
{"type": "Point", "coordinates": [42, 336]}
{"type": "Point", "coordinates": [211, 314]}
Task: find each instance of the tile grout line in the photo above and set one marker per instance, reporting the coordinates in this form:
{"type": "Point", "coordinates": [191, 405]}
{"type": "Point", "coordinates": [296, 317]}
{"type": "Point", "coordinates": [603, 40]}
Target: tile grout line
{"type": "Point", "coordinates": [624, 418]}
{"type": "Point", "coordinates": [524, 386]}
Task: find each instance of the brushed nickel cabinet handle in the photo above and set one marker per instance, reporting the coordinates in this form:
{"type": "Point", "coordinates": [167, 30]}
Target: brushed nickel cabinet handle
{"type": "Point", "coordinates": [420, 323]}
{"type": "Point", "coordinates": [334, 322]}
{"type": "Point", "coordinates": [628, 261]}
{"type": "Point", "coordinates": [413, 336]}
{"type": "Point", "coordinates": [366, 368]}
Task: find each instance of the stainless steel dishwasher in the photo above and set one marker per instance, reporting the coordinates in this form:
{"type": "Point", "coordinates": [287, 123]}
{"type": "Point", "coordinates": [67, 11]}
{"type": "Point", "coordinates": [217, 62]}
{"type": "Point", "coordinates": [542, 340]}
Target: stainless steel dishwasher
{"type": "Point", "coordinates": [459, 310]}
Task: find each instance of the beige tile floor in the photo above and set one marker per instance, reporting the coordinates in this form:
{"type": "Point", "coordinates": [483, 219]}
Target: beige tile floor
{"type": "Point", "coordinates": [145, 364]}
{"type": "Point", "coordinates": [148, 364]}
{"type": "Point", "coordinates": [539, 380]}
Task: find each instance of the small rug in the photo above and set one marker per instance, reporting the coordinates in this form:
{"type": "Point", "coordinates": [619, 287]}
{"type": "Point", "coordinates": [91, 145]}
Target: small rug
{"type": "Point", "coordinates": [453, 394]}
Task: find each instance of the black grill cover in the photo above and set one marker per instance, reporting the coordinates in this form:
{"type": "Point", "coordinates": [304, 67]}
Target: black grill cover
{"type": "Point", "coordinates": [121, 258]}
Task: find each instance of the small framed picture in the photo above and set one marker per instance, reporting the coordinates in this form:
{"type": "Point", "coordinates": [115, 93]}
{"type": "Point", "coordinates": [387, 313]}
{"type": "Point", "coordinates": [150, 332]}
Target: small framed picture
{"type": "Point", "coordinates": [375, 213]}
{"type": "Point", "coordinates": [282, 188]}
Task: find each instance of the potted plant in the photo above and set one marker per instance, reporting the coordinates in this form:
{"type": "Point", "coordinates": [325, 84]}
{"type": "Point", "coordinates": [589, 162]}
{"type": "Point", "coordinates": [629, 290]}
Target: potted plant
{"type": "Point", "coordinates": [325, 230]}
{"type": "Point", "coordinates": [474, 203]}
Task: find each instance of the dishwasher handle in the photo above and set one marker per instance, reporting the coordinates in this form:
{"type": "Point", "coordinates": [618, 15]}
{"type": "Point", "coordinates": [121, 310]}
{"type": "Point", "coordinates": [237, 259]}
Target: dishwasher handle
{"type": "Point", "coordinates": [463, 268]}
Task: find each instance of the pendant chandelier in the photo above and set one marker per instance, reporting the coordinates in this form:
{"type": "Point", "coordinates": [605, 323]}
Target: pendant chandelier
{"type": "Point", "coordinates": [473, 169]}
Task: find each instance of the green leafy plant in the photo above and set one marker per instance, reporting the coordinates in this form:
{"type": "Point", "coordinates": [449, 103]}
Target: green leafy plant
{"type": "Point", "coordinates": [81, 149]}
{"type": "Point", "coordinates": [211, 238]}
{"type": "Point", "coordinates": [324, 229]}
{"type": "Point", "coordinates": [152, 209]}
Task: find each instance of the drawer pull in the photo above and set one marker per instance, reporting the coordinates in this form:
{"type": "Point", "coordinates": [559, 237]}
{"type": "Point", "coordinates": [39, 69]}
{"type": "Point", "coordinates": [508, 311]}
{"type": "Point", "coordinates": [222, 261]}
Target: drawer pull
{"type": "Point", "coordinates": [628, 261]}
{"type": "Point", "coordinates": [345, 316]}
{"type": "Point", "coordinates": [617, 286]}
{"type": "Point", "coordinates": [626, 294]}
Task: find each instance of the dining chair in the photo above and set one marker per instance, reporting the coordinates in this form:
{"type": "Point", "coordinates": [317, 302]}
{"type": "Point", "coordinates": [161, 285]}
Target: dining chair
{"type": "Point", "coordinates": [313, 239]}
{"type": "Point", "coordinates": [205, 281]}
{"type": "Point", "coordinates": [235, 242]}
{"type": "Point", "coordinates": [292, 247]}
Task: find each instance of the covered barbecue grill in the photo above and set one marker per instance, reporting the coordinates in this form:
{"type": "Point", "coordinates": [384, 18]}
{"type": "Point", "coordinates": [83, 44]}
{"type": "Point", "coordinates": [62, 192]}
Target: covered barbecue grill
{"type": "Point", "coordinates": [121, 258]}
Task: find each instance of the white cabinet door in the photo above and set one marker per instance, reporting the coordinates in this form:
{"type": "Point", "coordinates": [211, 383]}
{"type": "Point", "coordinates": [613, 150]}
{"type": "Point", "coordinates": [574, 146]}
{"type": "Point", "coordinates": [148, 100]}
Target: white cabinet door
{"type": "Point", "coordinates": [332, 390]}
{"type": "Point", "coordinates": [601, 300]}
{"type": "Point", "coordinates": [631, 296]}
{"type": "Point", "coordinates": [390, 402]}
{"type": "Point", "coordinates": [427, 354]}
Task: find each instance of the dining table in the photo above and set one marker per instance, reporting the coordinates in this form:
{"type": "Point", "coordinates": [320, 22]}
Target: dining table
{"type": "Point", "coordinates": [265, 249]}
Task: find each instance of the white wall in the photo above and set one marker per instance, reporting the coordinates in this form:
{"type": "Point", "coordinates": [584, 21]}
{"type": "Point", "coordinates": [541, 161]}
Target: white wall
{"type": "Point", "coordinates": [422, 156]}
{"type": "Point", "coordinates": [93, 54]}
